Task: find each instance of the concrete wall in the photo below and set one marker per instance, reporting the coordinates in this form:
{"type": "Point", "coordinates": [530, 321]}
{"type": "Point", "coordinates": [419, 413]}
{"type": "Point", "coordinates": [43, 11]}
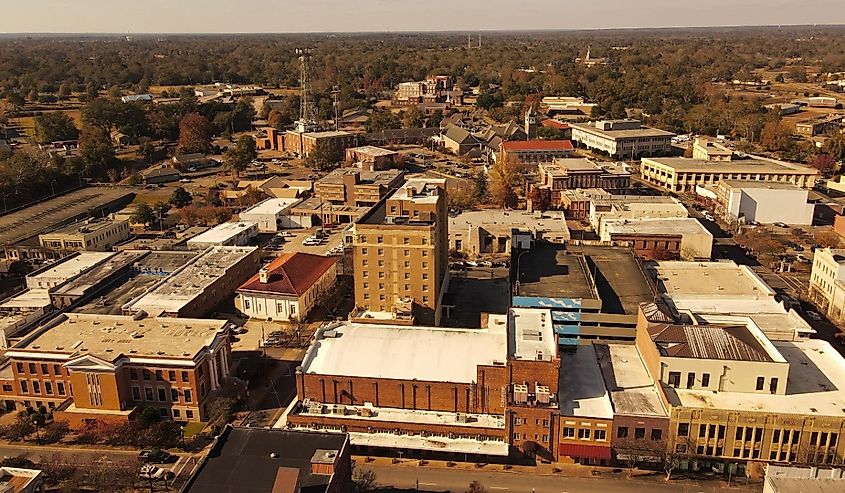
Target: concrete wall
{"type": "Point", "coordinates": [729, 376]}
{"type": "Point", "coordinates": [771, 205]}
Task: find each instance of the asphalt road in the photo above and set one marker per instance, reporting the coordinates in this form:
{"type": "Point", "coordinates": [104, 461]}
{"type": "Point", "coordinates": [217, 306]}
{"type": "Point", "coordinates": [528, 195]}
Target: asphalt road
{"type": "Point", "coordinates": [458, 480]}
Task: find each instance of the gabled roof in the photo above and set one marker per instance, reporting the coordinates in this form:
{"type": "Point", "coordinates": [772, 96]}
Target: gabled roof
{"type": "Point", "coordinates": [551, 123]}
{"type": "Point", "coordinates": [291, 274]}
{"type": "Point", "coordinates": [459, 135]}
{"type": "Point", "coordinates": [734, 343]}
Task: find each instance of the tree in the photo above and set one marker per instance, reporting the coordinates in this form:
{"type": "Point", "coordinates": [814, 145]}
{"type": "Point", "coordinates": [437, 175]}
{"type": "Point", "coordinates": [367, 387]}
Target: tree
{"type": "Point", "coordinates": [194, 134]}
{"type": "Point", "coordinates": [33, 96]}
{"type": "Point", "coordinates": [835, 146]}
{"type": "Point", "coordinates": [827, 239]}
{"type": "Point", "coordinates": [20, 428]}
{"type": "Point", "coordinates": [504, 178]}
{"type": "Point", "coordinates": [114, 92]}
{"type": "Point", "coordinates": [540, 199]}
{"type": "Point", "coordinates": [96, 150]}
{"type": "Point", "coordinates": [381, 120]}
{"type": "Point", "coordinates": [363, 480]}
{"type": "Point", "coordinates": [414, 117]}
{"type": "Point", "coordinates": [143, 214]}
{"type": "Point", "coordinates": [55, 432]}
{"type": "Point", "coordinates": [180, 198]}
{"type": "Point", "coordinates": [325, 156]}
{"type": "Point", "coordinates": [481, 189]}
{"type": "Point", "coordinates": [54, 126]}
{"type": "Point", "coordinates": [146, 149]}
{"type": "Point", "coordinates": [825, 164]}
{"type": "Point", "coordinates": [65, 90]}
{"type": "Point", "coordinates": [278, 120]}
{"type": "Point", "coordinates": [776, 136]}
{"type": "Point", "coordinates": [236, 159]}
{"type": "Point", "coordinates": [476, 487]}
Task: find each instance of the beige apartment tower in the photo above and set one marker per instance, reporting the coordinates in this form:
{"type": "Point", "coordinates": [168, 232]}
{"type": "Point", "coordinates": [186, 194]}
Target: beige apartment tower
{"type": "Point", "coordinates": [401, 255]}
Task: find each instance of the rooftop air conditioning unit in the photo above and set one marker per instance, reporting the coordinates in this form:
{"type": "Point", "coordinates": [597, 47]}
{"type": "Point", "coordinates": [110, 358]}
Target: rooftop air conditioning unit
{"type": "Point", "coordinates": [339, 409]}
{"type": "Point", "coordinates": [461, 418]}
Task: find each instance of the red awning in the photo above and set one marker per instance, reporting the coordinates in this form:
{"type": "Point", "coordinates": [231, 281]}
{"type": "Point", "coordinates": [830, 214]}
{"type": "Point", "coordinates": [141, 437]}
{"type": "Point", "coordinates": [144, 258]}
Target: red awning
{"type": "Point", "coordinates": [577, 450]}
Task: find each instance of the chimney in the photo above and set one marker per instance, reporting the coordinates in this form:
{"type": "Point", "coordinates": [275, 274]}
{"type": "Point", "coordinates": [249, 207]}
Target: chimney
{"type": "Point", "coordinates": [323, 461]}
{"type": "Point", "coordinates": [264, 275]}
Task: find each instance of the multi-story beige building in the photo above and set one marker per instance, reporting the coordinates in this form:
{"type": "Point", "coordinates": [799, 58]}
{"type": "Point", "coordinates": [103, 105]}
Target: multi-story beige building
{"type": "Point", "coordinates": [356, 187]}
{"type": "Point", "coordinates": [106, 367]}
{"type": "Point", "coordinates": [401, 252]}
{"type": "Point", "coordinates": [622, 138]}
{"type": "Point", "coordinates": [710, 150]}
{"type": "Point", "coordinates": [827, 282]}
{"type": "Point", "coordinates": [683, 175]}
{"type": "Point", "coordinates": [87, 236]}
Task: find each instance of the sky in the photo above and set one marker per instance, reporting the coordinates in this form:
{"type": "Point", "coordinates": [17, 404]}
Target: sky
{"type": "Point", "coordinates": [285, 16]}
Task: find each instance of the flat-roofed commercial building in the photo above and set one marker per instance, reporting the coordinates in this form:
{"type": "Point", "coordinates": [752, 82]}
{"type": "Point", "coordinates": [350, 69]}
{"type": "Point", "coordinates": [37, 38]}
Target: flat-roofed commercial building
{"type": "Point", "coordinates": [90, 236]}
{"type": "Point", "coordinates": [764, 202]}
{"type": "Point", "coordinates": [491, 231]}
{"type": "Point", "coordinates": [724, 292]}
{"type": "Point", "coordinates": [303, 144]}
{"type": "Point", "coordinates": [401, 250]}
{"type": "Point", "coordinates": [198, 286]}
{"type": "Point", "coordinates": [662, 239]}
{"type": "Point", "coordinates": [827, 282]}
{"type": "Point", "coordinates": [622, 138]}
{"type": "Point", "coordinates": [105, 367]}
{"type": "Point", "coordinates": [357, 188]}
{"type": "Point", "coordinates": [371, 158]}
{"type": "Point", "coordinates": [566, 174]}
{"type": "Point", "coordinates": [819, 126]}
{"type": "Point", "coordinates": [234, 233]}
{"type": "Point", "coordinates": [288, 287]}
{"type": "Point", "coordinates": [710, 150]}
{"type": "Point", "coordinates": [60, 272]}
{"type": "Point", "coordinates": [373, 380]}
{"type": "Point", "coordinates": [683, 175]}
{"type": "Point", "coordinates": [272, 215]}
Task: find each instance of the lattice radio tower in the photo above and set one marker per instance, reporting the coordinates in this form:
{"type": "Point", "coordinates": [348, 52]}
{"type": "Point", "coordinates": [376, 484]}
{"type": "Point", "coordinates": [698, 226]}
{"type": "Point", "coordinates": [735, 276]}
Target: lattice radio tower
{"type": "Point", "coordinates": [307, 107]}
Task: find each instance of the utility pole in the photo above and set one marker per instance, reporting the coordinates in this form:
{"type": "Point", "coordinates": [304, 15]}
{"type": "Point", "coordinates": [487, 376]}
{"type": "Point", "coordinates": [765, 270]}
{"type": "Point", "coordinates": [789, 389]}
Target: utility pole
{"type": "Point", "coordinates": [336, 95]}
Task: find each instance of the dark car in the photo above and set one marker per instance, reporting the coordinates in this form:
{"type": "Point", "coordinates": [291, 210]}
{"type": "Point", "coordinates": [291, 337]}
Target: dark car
{"type": "Point", "coordinates": [155, 456]}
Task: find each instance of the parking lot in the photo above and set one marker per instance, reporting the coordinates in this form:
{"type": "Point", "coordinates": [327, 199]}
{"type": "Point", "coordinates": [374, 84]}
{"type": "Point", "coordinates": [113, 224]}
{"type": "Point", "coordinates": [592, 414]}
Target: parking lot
{"type": "Point", "coordinates": [295, 241]}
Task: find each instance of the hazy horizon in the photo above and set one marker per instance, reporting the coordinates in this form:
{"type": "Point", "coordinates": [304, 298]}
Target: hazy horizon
{"type": "Point", "coordinates": [326, 16]}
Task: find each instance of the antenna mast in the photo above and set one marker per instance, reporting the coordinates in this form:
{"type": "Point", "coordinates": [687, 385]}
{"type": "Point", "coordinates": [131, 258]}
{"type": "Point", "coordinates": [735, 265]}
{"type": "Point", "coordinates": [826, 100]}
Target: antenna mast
{"type": "Point", "coordinates": [307, 107]}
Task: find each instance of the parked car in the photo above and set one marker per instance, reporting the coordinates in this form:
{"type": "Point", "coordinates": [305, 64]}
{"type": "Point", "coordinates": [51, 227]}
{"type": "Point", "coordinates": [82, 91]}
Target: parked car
{"type": "Point", "coordinates": [815, 316]}
{"type": "Point", "coordinates": [156, 456]}
{"type": "Point", "coordinates": [149, 471]}
{"type": "Point", "coordinates": [781, 224]}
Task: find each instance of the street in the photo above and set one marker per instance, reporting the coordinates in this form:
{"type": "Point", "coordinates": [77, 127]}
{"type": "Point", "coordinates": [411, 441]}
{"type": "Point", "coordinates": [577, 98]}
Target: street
{"type": "Point", "coordinates": [458, 480]}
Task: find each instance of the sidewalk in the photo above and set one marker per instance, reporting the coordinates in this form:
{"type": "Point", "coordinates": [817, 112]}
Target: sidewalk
{"type": "Point", "coordinates": [557, 469]}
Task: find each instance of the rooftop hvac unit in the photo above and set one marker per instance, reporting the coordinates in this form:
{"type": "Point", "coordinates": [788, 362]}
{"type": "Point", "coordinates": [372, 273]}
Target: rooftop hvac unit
{"type": "Point", "coordinates": [366, 412]}
{"type": "Point", "coordinates": [461, 418]}
{"type": "Point", "coordinates": [543, 395]}
{"type": "Point", "coordinates": [520, 392]}
{"type": "Point", "coordinates": [339, 409]}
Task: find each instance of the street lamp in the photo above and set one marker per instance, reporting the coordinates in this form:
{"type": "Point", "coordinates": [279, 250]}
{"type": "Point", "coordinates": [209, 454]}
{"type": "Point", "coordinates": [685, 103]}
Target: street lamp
{"type": "Point", "coordinates": [518, 271]}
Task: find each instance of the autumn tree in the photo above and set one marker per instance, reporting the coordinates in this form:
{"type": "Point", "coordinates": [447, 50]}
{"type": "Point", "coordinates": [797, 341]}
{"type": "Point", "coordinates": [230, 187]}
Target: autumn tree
{"type": "Point", "coordinates": [776, 136]}
{"type": "Point", "coordinates": [54, 126]}
{"type": "Point", "coordinates": [827, 239]}
{"type": "Point", "coordinates": [476, 487]}
{"type": "Point", "coordinates": [835, 146]}
{"type": "Point", "coordinates": [194, 134]}
{"type": "Point", "coordinates": [414, 117]}
{"type": "Point", "coordinates": [505, 177]}
{"type": "Point", "coordinates": [278, 120]}
{"type": "Point", "coordinates": [540, 199]}
{"type": "Point", "coordinates": [825, 164]}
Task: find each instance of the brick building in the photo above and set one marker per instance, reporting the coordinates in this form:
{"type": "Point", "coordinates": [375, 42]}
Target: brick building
{"type": "Point", "coordinates": [401, 252]}
{"type": "Point", "coordinates": [357, 187]}
{"type": "Point", "coordinates": [535, 151]}
{"type": "Point", "coordinates": [302, 144]}
{"type": "Point", "coordinates": [370, 158]}
{"type": "Point", "coordinates": [106, 367]}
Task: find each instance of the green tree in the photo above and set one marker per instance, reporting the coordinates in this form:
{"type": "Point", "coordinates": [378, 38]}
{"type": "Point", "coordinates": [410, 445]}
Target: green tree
{"type": "Point", "coordinates": [180, 198]}
{"type": "Point", "coordinates": [65, 90]}
{"type": "Point", "coordinates": [381, 120]}
{"type": "Point", "coordinates": [54, 126]}
{"type": "Point", "coordinates": [414, 117]}
{"type": "Point", "coordinates": [481, 189]}
{"type": "Point", "coordinates": [325, 156]}
{"type": "Point", "coordinates": [96, 150]}
{"type": "Point", "coordinates": [238, 157]}
{"type": "Point", "coordinates": [194, 134]}
{"type": "Point", "coordinates": [363, 480]}
{"type": "Point", "coordinates": [143, 214]}
{"type": "Point", "coordinates": [146, 149]}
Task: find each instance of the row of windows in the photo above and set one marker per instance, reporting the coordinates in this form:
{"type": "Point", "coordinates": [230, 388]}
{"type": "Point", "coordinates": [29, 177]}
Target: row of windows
{"type": "Point", "coordinates": [525, 436]}
{"type": "Point", "coordinates": [639, 433]}
{"type": "Point", "coordinates": [44, 367]}
{"type": "Point", "coordinates": [159, 374]}
{"type": "Point", "coordinates": [380, 251]}
{"type": "Point", "coordinates": [598, 435]}
{"type": "Point", "coordinates": [407, 286]}
{"type": "Point", "coordinates": [405, 241]}
{"type": "Point", "coordinates": [675, 381]}
{"type": "Point", "coordinates": [407, 265]}
{"type": "Point", "coordinates": [161, 393]}
{"type": "Point", "coordinates": [524, 421]}
{"type": "Point", "coordinates": [47, 386]}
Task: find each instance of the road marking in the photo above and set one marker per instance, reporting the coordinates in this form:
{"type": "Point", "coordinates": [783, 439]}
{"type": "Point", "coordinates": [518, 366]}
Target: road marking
{"type": "Point", "coordinates": [427, 484]}
{"type": "Point", "coordinates": [498, 488]}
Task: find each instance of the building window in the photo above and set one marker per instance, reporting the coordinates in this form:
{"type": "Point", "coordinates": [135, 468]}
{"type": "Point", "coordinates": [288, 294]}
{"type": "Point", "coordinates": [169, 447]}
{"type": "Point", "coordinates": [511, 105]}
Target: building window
{"type": "Point", "coordinates": [36, 386]}
{"type": "Point", "coordinates": [148, 393]}
{"type": "Point", "coordinates": [776, 436]}
{"type": "Point", "coordinates": [425, 299]}
{"type": "Point", "coordinates": [133, 374]}
{"type": "Point", "coordinates": [364, 251]}
{"type": "Point", "coordinates": [174, 395]}
{"type": "Point", "coordinates": [24, 387]}
{"type": "Point", "coordinates": [516, 436]}
{"type": "Point", "coordinates": [19, 367]}
{"type": "Point", "coordinates": [545, 438]}
{"type": "Point", "coordinates": [683, 429]}
{"type": "Point", "coordinates": [189, 414]}
{"type": "Point", "coordinates": [690, 380]}
{"type": "Point", "coordinates": [187, 395]}
{"type": "Point", "coordinates": [177, 413]}
{"type": "Point", "coordinates": [159, 376]}
{"type": "Point", "coordinates": [516, 420]}
{"type": "Point", "coordinates": [674, 379]}
{"type": "Point", "coordinates": [32, 368]}
{"type": "Point", "coordinates": [246, 304]}
{"type": "Point", "coordinates": [622, 432]}
{"type": "Point", "coordinates": [48, 387]}
{"type": "Point", "coordinates": [45, 370]}
{"type": "Point", "coordinates": [184, 376]}
{"type": "Point", "coordinates": [656, 434]}
{"type": "Point", "coordinates": [146, 375]}
{"type": "Point", "coordinates": [705, 379]}
{"type": "Point", "coordinates": [600, 435]}
{"type": "Point", "coordinates": [406, 241]}
{"type": "Point", "coordinates": [773, 385]}
{"type": "Point", "coordinates": [365, 262]}
{"type": "Point", "coordinates": [136, 393]}
{"type": "Point", "coordinates": [568, 432]}
{"type": "Point", "coordinates": [380, 239]}
{"type": "Point", "coordinates": [60, 387]}
{"type": "Point", "coordinates": [584, 433]}
{"type": "Point", "coordinates": [425, 253]}
{"type": "Point", "coordinates": [761, 382]}
{"type": "Point", "coordinates": [639, 433]}
{"type": "Point", "coordinates": [545, 422]}
{"type": "Point", "coordinates": [162, 395]}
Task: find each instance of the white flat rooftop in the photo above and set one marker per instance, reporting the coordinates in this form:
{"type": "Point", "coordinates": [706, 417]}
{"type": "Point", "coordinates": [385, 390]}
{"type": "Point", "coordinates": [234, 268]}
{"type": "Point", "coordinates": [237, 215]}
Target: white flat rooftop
{"type": "Point", "coordinates": [632, 391]}
{"type": "Point", "coordinates": [386, 414]}
{"type": "Point", "coordinates": [434, 443]}
{"type": "Point", "coordinates": [189, 281]}
{"type": "Point", "coordinates": [582, 392]}
{"type": "Point", "coordinates": [405, 353]}
{"type": "Point", "coordinates": [223, 232]}
{"type": "Point", "coordinates": [505, 220]}
{"type": "Point", "coordinates": [532, 337]}
{"type": "Point", "coordinates": [70, 267]}
{"type": "Point", "coordinates": [271, 206]}
{"type": "Point", "coordinates": [815, 386]}
{"type": "Point", "coordinates": [669, 225]}
{"type": "Point", "coordinates": [690, 284]}
{"type": "Point", "coordinates": [29, 299]}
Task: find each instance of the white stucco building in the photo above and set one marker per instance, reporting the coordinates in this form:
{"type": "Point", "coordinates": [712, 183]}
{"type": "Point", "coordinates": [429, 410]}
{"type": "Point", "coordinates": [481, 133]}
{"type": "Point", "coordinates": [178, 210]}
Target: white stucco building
{"type": "Point", "coordinates": [763, 202]}
{"type": "Point", "coordinates": [272, 215]}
